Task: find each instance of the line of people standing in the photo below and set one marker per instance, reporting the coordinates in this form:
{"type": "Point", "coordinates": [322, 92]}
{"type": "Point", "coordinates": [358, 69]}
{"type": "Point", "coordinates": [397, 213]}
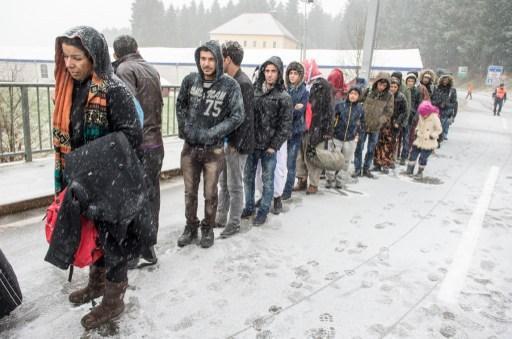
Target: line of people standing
{"type": "Point", "coordinates": [230, 126]}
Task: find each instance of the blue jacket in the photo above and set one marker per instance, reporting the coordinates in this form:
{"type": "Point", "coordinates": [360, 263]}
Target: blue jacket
{"type": "Point", "coordinates": [348, 120]}
{"type": "Point", "coordinates": [299, 96]}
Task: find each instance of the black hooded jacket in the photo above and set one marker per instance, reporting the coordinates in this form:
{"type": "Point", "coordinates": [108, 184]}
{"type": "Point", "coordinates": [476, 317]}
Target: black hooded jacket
{"type": "Point", "coordinates": [121, 116]}
{"type": "Point", "coordinates": [272, 110]}
{"type": "Point", "coordinates": [207, 116]}
{"type": "Point", "coordinates": [445, 97]}
{"type": "Point", "coordinates": [242, 139]}
{"type": "Point", "coordinates": [121, 113]}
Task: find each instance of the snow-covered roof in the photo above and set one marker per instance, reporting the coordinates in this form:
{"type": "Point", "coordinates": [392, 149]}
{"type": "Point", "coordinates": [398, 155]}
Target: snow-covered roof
{"type": "Point", "coordinates": [254, 24]}
{"type": "Point", "coordinates": [397, 59]}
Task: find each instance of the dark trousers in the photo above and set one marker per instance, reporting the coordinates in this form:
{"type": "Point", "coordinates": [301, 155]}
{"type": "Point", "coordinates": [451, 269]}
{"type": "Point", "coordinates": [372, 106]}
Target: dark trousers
{"type": "Point", "coordinates": [293, 146]}
{"type": "Point", "coordinates": [498, 103]}
{"type": "Point", "coordinates": [194, 161]}
{"type": "Point", "coordinates": [404, 138]}
{"type": "Point", "coordinates": [268, 166]}
{"type": "Point", "coordinates": [422, 153]}
{"type": "Point", "coordinates": [373, 138]}
{"type": "Point", "coordinates": [152, 159]}
{"type": "Point", "coordinates": [116, 273]}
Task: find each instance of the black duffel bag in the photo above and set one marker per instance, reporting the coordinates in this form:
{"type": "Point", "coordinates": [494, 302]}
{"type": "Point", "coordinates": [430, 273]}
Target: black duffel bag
{"type": "Point", "coordinates": [10, 294]}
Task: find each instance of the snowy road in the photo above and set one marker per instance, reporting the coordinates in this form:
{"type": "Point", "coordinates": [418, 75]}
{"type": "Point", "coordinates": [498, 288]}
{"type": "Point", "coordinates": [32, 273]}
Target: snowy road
{"type": "Point", "coordinates": [331, 266]}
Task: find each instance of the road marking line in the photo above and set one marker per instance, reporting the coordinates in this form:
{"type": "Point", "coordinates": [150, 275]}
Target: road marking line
{"type": "Point", "coordinates": [456, 276]}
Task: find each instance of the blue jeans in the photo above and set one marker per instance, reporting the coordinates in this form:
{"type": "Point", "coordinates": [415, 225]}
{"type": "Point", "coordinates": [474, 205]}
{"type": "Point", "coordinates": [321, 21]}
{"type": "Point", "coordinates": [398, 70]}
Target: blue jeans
{"type": "Point", "coordinates": [405, 143]}
{"type": "Point", "coordinates": [422, 153]}
{"type": "Point", "coordinates": [268, 166]}
{"type": "Point", "coordinates": [373, 138]}
{"type": "Point", "coordinates": [445, 122]}
{"type": "Point", "coordinates": [293, 150]}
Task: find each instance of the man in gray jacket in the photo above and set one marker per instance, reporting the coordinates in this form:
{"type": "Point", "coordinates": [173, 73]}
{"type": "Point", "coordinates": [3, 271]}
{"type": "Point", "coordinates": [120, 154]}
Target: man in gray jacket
{"type": "Point", "coordinates": [238, 144]}
{"type": "Point", "coordinates": [143, 81]}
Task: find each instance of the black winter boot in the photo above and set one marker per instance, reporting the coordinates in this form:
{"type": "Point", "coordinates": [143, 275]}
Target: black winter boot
{"type": "Point", "coordinates": [410, 168]}
{"type": "Point", "coordinates": [419, 175]}
{"type": "Point", "coordinates": [188, 236]}
{"type": "Point", "coordinates": [278, 206]}
{"type": "Point", "coordinates": [207, 236]}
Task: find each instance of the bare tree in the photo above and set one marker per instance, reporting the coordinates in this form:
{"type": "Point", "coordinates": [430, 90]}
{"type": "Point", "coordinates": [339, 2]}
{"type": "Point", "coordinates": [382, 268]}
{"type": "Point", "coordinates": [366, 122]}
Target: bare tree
{"type": "Point", "coordinates": [11, 124]}
{"type": "Point", "coordinates": [354, 22]}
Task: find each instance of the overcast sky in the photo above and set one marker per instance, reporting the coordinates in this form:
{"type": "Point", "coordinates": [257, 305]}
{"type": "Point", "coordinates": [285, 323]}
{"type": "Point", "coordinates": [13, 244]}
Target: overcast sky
{"type": "Point", "coordinates": [38, 22]}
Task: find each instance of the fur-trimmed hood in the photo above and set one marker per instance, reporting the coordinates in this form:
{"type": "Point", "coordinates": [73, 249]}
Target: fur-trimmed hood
{"type": "Point", "coordinates": [294, 66]}
{"type": "Point", "coordinates": [428, 71]}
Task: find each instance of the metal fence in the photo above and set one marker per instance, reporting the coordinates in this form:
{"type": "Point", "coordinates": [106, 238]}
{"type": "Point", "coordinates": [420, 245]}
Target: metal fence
{"type": "Point", "coordinates": [26, 118]}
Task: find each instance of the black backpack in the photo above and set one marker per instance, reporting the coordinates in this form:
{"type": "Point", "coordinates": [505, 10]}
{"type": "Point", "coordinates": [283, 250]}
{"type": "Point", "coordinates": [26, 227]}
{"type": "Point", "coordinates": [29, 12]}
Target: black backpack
{"type": "Point", "coordinates": [10, 294]}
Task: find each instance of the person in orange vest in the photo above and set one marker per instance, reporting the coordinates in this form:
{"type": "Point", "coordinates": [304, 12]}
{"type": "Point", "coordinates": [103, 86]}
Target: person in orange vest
{"type": "Point", "coordinates": [500, 96]}
{"type": "Point", "coordinates": [470, 91]}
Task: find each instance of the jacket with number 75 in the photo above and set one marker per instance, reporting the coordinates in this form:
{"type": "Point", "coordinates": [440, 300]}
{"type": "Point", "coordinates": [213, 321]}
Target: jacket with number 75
{"type": "Point", "coordinates": [207, 115]}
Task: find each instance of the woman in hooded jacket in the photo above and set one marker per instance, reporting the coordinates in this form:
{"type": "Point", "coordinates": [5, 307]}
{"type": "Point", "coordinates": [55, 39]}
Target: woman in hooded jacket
{"type": "Point", "coordinates": [296, 87]}
{"type": "Point", "coordinates": [386, 147]}
{"type": "Point", "coordinates": [91, 102]}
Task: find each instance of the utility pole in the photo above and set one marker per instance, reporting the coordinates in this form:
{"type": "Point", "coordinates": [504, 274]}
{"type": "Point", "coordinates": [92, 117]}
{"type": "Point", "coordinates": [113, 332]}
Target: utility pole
{"type": "Point", "coordinates": [305, 30]}
{"type": "Point", "coordinates": [369, 38]}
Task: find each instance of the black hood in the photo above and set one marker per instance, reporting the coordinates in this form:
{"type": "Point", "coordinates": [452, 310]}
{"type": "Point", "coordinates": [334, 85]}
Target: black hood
{"type": "Point", "coordinates": [354, 88]}
{"type": "Point", "coordinates": [212, 46]}
{"type": "Point", "coordinates": [95, 44]}
{"type": "Point", "coordinates": [276, 61]}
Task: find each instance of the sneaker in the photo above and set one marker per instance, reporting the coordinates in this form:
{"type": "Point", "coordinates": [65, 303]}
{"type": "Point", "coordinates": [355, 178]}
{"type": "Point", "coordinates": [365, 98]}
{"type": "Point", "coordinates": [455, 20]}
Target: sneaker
{"type": "Point", "coordinates": [286, 196]}
{"type": "Point", "coordinates": [148, 257]}
{"type": "Point", "coordinates": [341, 186]}
{"type": "Point", "coordinates": [312, 190]}
{"type": "Point", "coordinates": [260, 219]}
{"type": "Point", "coordinates": [384, 170]}
{"type": "Point", "coordinates": [230, 230]}
{"type": "Point", "coordinates": [356, 174]}
{"type": "Point", "coordinates": [246, 214]}
{"type": "Point", "coordinates": [329, 184]}
{"type": "Point", "coordinates": [368, 174]}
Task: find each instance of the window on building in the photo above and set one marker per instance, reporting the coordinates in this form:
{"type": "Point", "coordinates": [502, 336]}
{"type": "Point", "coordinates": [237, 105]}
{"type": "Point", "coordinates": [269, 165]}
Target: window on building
{"type": "Point", "coordinates": [254, 44]}
{"type": "Point", "coordinates": [264, 44]}
{"type": "Point", "coordinates": [274, 44]}
{"type": "Point", "coordinates": [44, 71]}
{"type": "Point", "coordinates": [245, 43]}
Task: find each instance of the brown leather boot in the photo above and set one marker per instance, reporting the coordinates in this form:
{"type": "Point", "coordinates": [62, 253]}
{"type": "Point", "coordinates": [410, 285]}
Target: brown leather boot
{"type": "Point", "coordinates": [94, 289]}
{"type": "Point", "coordinates": [111, 306]}
{"type": "Point", "coordinates": [312, 189]}
{"type": "Point", "coordinates": [302, 185]}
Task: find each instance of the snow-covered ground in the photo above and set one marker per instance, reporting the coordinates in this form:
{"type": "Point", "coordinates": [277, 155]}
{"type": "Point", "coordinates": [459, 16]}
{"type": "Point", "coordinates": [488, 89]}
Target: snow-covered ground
{"type": "Point", "coordinates": [368, 265]}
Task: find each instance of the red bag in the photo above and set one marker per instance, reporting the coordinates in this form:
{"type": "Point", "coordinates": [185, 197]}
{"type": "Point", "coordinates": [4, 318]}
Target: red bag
{"type": "Point", "coordinates": [309, 116]}
{"type": "Point", "coordinates": [88, 252]}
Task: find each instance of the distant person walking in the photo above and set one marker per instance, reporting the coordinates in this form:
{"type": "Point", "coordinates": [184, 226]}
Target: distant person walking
{"type": "Point", "coordinates": [470, 91]}
{"type": "Point", "coordinates": [500, 96]}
